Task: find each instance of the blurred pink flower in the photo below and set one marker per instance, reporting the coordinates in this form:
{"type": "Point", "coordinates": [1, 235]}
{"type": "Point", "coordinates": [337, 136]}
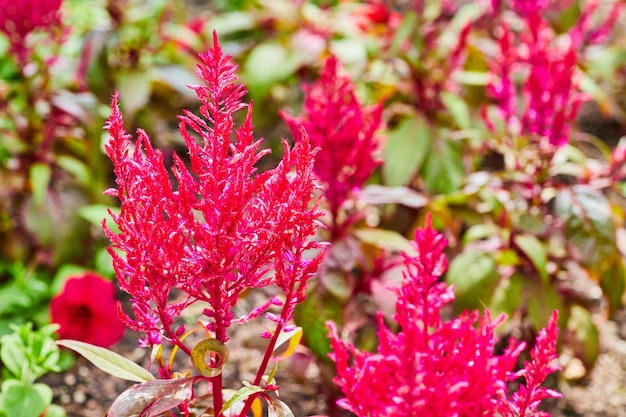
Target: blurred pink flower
{"type": "Point", "coordinates": [344, 131]}
{"type": "Point", "coordinates": [19, 18]}
{"type": "Point", "coordinates": [86, 310]}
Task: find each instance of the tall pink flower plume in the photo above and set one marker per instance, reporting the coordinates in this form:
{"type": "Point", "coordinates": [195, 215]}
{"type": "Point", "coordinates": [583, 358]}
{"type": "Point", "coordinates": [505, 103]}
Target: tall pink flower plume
{"type": "Point", "coordinates": [343, 130]}
{"type": "Point", "coordinates": [436, 368]}
{"type": "Point", "coordinates": [551, 96]}
{"type": "Point", "coordinates": [218, 227]}
{"type": "Point", "coordinates": [19, 18]}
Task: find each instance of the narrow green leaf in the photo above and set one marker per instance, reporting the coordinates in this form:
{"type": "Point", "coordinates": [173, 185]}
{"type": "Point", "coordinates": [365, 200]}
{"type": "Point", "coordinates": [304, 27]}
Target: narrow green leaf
{"type": "Point", "coordinates": [542, 301]}
{"type": "Point", "coordinates": [384, 239]}
{"type": "Point", "coordinates": [584, 330]}
{"type": "Point", "coordinates": [241, 395]}
{"type": "Point", "coordinates": [536, 252]}
{"type": "Point", "coordinates": [108, 361]}
{"type": "Point", "coordinates": [39, 179]}
{"type": "Point", "coordinates": [407, 26]}
{"type": "Point", "coordinates": [470, 77]}
{"type": "Point", "coordinates": [95, 213]}
{"type": "Point", "coordinates": [458, 109]}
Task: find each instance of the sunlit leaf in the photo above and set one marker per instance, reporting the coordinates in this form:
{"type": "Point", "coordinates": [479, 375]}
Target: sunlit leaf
{"type": "Point", "coordinates": [109, 361]}
{"type": "Point", "coordinates": [458, 110]}
{"type": "Point", "coordinates": [39, 179]}
{"type": "Point", "coordinates": [475, 277]}
{"type": "Point", "coordinates": [134, 89]}
{"type": "Point", "coordinates": [536, 252]}
{"type": "Point", "coordinates": [443, 171]}
{"type": "Point", "coordinates": [380, 194]}
{"type": "Point", "coordinates": [584, 330]}
{"type": "Point", "coordinates": [389, 240]}
{"type": "Point", "coordinates": [241, 395]}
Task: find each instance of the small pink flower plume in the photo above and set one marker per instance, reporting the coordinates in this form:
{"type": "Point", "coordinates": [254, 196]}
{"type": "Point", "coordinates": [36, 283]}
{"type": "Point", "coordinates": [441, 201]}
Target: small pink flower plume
{"type": "Point", "coordinates": [434, 368]}
{"type": "Point", "coordinates": [343, 130]}
{"type": "Point", "coordinates": [19, 18]}
{"type": "Point", "coordinates": [550, 92]}
{"type": "Point", "coordinates": [218, 227]}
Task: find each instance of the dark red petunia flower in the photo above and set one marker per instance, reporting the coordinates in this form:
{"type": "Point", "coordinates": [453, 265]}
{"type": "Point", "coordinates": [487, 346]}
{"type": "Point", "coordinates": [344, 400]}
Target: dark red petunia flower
{"type": "Point", "coordinates": [86, 310]}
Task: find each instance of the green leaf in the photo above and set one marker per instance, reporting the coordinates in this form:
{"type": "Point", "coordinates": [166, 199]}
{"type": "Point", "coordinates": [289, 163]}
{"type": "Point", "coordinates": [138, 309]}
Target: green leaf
{"type": "Point", "coordinates": [589, 225]}
{"type": "Point", "coordinates": [479, 231]}
{"type": "Point", "coordinates": [470, 77]}
{"type": "Point", "coordinates": [379, 194]}
{"type": "Point", "coordinates": [39, 179]}
{"type": "Point", "coordinates": [543, 299]}
{"type": "Point", "coordinates": [405, 150]}
{"type": "Point", "coordinates": [458, 109]}
{"type": "Point", "coordinates": [613, 283]}
{"type": "Point", "coordinates": [77, 168]}
{"type": "Point", "coordinates": [443, 171]}
{"type": "Point", "coordinates": [108, 361]}
{"type": "Point", "coordinates": [23, 399]}
{"type": "Point", "coordinates": [96, 213]}
{"type": "Point", "coordinates": [134, 88]}
{"type": "Point", "coordinates": [587, 343]}
{"type": "Point", "coordinates": [241, 395]}
{"type": "Point", "coordinates": [152, 398]}
{"type": "Point", "coordinates": [312, 315]}
{"type": "Point", "coordinates": [536, 252]}
{"type": "Point", "coordinates": [277, 408]}
{"type": "Point", "coordinates": [408, 25]}
{"type": "Point", "coordinates": [389, 240]}
{"type": "Point", "coordinates": [475, 277]}
{"type": "Point", "coordinates": [13, 355]}
{"type": "Point", "coordinates": [54, 410]}
{"type": "Point", "coordinates": [268, 63]}
{"type": "Point", "coordinates": [508, 295]}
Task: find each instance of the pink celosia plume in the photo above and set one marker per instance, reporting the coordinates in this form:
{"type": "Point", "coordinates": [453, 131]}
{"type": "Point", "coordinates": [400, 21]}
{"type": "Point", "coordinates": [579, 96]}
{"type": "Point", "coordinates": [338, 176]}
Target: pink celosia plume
{"type": "Point", "coordinates": [19, 18]}
{"type": "Point", "coordinates": [218, 227]}
{"type": "Point", "coordinates": [551, 95]}
{"type": "Point", "coordinates": [343, 130]}
{"type": "Point", "coordinates": [434, 368]}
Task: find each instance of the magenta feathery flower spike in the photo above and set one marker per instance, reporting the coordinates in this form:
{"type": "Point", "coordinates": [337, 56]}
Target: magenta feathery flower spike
{"type": "Point", "coordinates": [543, 362]}
{"type": "Point", "coordinates": [343, 130]}
{"type": "Point", "coordinates": [434, 368]}
{"type": "Point", "coordinates": [221, 227]}
{"type": "Point", "coordinates": [550, 91]}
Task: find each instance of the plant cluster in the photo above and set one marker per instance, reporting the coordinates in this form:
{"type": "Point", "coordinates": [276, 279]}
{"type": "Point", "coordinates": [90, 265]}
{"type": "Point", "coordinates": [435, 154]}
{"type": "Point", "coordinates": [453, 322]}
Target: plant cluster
{"type": "Point", "coordinates": [223, 228]}
{"type": "Point", "coordinates": [478, 117]}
